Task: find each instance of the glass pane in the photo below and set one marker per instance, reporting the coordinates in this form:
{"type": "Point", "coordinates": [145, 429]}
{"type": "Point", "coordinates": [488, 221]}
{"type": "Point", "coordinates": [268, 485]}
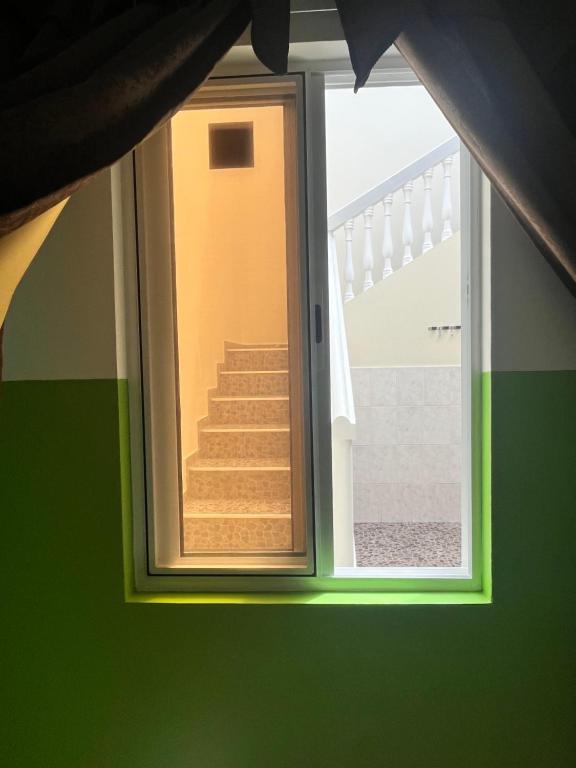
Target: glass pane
{"type": "Point", "coordinates": [239, 341]}
{"type": "Point", "coordinates": [395, 287]}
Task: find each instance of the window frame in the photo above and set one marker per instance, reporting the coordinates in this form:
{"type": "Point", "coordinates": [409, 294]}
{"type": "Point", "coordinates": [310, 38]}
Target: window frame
{"type": "Point", "coordinates": [324, 585]}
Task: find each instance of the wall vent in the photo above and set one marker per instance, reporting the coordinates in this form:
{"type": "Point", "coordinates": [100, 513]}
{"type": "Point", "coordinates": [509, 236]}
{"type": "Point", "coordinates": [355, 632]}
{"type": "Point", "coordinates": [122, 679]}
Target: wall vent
{"type": "Point", "coordinates": [231, 145]}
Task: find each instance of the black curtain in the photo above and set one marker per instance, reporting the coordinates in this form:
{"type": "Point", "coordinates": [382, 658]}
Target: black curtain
{"type": "Point", "coordinates": [83, 83]}
{"type": "Point", "coordinates": [504, 74]}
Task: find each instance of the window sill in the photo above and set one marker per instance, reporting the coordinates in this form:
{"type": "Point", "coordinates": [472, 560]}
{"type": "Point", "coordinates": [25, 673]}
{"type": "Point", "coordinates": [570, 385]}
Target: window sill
{"type": "Point", "coordinates": [479, 597]}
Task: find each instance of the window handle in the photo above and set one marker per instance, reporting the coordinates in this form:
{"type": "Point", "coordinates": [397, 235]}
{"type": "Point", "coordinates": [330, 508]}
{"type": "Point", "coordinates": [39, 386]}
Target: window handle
{"type": "Point", "coordinates": [318, 319]}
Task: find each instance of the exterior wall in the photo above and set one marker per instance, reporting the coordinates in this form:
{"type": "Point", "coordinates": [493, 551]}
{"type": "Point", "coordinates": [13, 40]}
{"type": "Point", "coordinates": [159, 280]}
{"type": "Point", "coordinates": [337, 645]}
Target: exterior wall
{"type": "Point", "coordinates": [90, 680]}
{"type": "Point", "coordinates": [406, 453]}
{"type": "Point", "coordinates": [409, 120]}
{"type": "Point", "coordinates": [388, 325]}
{"type": "Point", "coordinates": [230, 243]}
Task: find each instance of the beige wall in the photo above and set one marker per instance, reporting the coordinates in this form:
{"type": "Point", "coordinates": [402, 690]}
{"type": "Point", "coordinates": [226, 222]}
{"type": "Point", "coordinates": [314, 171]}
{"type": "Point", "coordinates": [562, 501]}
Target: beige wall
{"type": "Point", "coordinates": [61, 322]}
{"type": "Point", "coordinates": [387, 325]}
{"type": "Point", "coordinates": [230, 250]}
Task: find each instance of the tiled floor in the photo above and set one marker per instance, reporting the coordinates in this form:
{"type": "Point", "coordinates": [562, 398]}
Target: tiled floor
{"type": "Point", "coordinates": [381, 545]}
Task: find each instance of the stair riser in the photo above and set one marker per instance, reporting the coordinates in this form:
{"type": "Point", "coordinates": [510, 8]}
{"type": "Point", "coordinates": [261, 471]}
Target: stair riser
{"type": "Point", "coordinates": [237, 535]}
{"type": "Point", "coordinates": [239, 484]}
{"type": "Point", "coordinates": [244, 445]}
{"type": "Point", "coordinates": [257, 360]}
{"type": "Point", "coordinates": [253, 383]}
{"type": "Point", "coordinates": [249, 411]}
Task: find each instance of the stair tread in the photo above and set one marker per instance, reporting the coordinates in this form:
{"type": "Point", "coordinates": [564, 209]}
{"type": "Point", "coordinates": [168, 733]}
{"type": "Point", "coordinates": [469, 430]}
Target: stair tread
{"type": "Point", "coordinates": [242, 373]}
{"type": "Point", "coordinates": [259, 344]}
{"type": "Point", "coordinates": [240, 398]}
{"type": "Point", "coordinates": [245, 428]}
{"type": "Point", "coordinates": [238, 463]}
{"type": "Point", "coordinates": [235, 508]}
{"type": "Point", "coordinates": [257, 349]}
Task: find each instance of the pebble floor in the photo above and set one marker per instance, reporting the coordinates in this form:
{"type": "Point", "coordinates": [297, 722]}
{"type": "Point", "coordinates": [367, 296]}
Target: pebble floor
{"type": "Point", "coordinates": [380, 545]}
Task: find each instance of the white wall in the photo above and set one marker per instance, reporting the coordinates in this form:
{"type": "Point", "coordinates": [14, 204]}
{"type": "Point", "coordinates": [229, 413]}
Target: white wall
{"type": "Point", "coordinates": [370, 136]}
{"type": "Point", "coordinates": [533, 313]}
{"type": "Point", "coordinates": [374, 133]}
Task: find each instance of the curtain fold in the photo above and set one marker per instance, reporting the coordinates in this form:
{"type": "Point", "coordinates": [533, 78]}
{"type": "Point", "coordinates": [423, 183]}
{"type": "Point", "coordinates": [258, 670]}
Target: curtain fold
{"type": "Point", "coordinates": [82, 83]}
{"type": "Point", "coordinates": [494, 70]}
{"type": "Point", "coordinates": [81, 108]}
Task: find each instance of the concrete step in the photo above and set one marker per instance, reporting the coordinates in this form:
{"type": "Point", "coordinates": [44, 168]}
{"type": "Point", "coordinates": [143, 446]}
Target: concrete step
{"type": "Point", "coordinates": [219, 441]}
{"type": "Point", "coordinates": [259, 409]}
{"type": "Point", "coordinates": [252, 382]}
{"type": "Point", "coordinates": [237, 533]}
{"type": "Point", "coordinates": [247, 507]}
{"type": "Point", "coordinates": [240, 478]}
{"type": "Point", "coordinates": [256, 359]}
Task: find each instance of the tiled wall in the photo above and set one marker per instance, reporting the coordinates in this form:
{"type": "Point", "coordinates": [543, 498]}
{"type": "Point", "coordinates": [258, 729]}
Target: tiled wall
{"type": "Point", "coordinates": [406, 453]}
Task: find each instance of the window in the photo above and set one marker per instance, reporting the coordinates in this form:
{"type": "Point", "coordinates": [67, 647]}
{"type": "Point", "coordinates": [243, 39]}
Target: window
{"type": "Point", "coordinates": [308, 279]}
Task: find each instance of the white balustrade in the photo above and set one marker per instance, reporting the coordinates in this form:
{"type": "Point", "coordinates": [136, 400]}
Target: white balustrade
{"type": "Point", "coordinates": [404, 180]}
{"type": "Point", "coordinates": [447, 199]}
{"type": "Point", "coordinates": [368, 260]}
{"type": "Point", "coordinates": [387, 243]}
{"type": "Point", "coordinates": [349, 262]}
{"type": "Point", "coordinates": [427, 217]}
{"type": "Point", "coordinates": [407, 232]}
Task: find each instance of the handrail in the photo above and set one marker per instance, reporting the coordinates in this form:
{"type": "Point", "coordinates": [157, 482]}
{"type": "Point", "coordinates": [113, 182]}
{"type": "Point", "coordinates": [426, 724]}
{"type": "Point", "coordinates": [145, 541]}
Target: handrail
{"type": "Point", "coordinates": [393, 183]}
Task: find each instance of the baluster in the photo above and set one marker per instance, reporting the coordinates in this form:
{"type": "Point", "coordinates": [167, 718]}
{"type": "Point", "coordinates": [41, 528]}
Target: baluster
{"type": "Point", "coordinates": [427, 218]}
{"type": "Point", "coordinates": [368, 261]}
{"type": "Point", "coordinates": [407, 233]}
{"type": "Point", "coordinates": [387, 244]}
{"type": "Point", "coordinates": [349, 262]}
{"type": "Point", "coordinates": [447, 199]}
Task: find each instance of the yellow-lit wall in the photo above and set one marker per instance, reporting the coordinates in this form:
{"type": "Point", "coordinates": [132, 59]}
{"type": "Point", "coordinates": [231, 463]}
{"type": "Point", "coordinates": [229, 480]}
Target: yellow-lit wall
{"type": "Point", "coordinates": [230, 239]}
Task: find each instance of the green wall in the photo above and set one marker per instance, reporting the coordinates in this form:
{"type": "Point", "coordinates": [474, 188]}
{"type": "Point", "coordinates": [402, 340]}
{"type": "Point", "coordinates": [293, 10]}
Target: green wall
{"type": "Point", "coordinates": [91, 682]}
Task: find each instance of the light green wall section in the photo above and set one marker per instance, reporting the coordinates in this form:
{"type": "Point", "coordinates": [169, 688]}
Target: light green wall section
{"type": "Point", "coordinates": [91, 681]}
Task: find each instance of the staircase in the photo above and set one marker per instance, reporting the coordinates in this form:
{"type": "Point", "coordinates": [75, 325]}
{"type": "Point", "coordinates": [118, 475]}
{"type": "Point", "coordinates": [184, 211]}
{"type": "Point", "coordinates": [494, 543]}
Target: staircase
{"type": "Point", "coordinates": [380, 205]}
{"type": "Point", "coordinates": [239, 484]}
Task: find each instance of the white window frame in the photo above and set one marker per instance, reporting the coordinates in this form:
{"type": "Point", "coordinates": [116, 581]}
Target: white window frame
{"type": "Point", "coordinates": [133, 308]}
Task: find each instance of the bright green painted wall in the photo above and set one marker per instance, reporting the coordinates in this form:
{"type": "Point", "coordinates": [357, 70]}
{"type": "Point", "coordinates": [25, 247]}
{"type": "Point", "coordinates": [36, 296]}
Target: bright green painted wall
{"type": "Point", "coordinates": [91, 682]}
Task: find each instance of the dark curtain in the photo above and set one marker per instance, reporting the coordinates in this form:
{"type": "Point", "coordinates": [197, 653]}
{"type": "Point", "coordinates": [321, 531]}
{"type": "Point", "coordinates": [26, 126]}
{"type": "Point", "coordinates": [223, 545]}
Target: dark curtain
{"type": "Point", "coordinates": [82, 83]}
{"type": "Point", "coordinates": [504, 74]}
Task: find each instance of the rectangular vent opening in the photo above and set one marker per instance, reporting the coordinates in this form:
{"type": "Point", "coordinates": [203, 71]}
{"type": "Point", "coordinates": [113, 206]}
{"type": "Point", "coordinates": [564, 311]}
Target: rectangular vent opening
{"type": "Point", "coordinates": [231, 145]}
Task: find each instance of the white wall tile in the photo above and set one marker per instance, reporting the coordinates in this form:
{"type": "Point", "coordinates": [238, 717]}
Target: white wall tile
{"type": "Point", "coordinates": [383, 386]}
{"type": "Point", "coordinates": [364, 424]}
{"type": "Point", "coordinates": [427, 502]}
{"type": "Point", "coordinates": [426, 463]}
{"type": "Point", "coordinates": [383, 424]}
{"type": "Point", "coordinates": [360, 385]}
{"type": "Point", "coordinates": [422, 424]}
{"type": "Point", "coordinates": [406, 453]}
{"type": "Point", "coordinates": [367, 508]}
{"type": "Point", "coordinates": [374, 463]}
{"type": "Point", "coordinates": [442, 385]}
{"type": "Point", "coordinates": [411, 386]}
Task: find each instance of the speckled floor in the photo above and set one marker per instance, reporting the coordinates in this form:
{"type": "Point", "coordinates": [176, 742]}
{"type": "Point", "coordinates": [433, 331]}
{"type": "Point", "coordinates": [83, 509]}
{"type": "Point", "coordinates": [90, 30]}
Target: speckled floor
{"type": "Point", "coordinates": [380, 545]}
